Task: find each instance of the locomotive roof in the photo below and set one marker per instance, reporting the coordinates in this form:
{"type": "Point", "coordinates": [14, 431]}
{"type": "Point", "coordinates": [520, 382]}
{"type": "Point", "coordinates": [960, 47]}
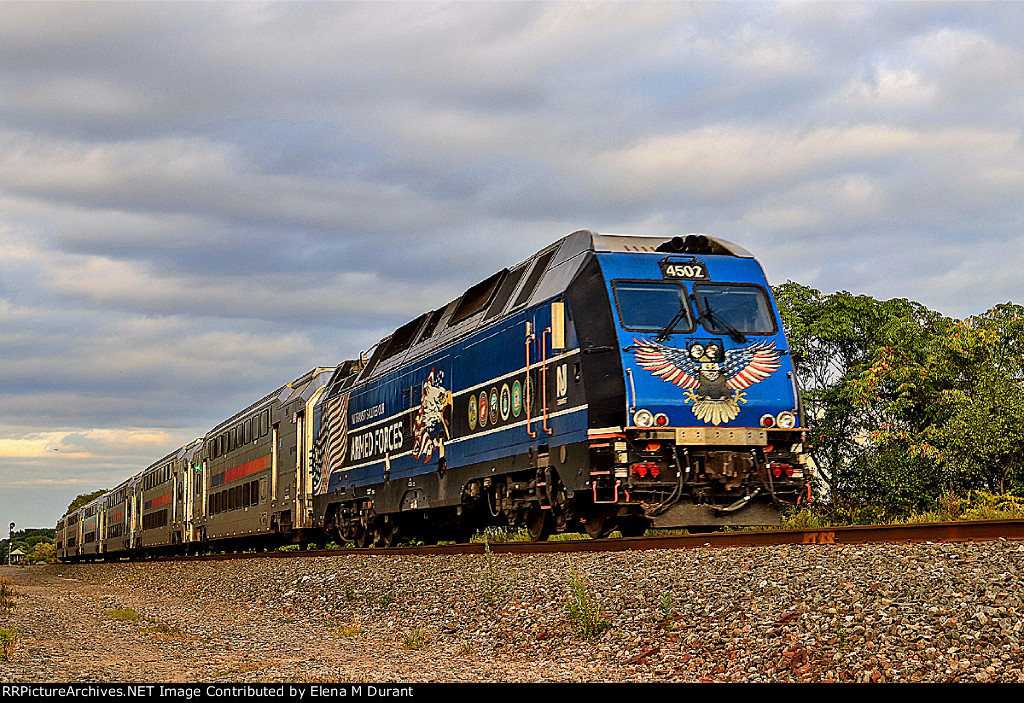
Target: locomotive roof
{"type": "Point", "coordinates": [557, 264]}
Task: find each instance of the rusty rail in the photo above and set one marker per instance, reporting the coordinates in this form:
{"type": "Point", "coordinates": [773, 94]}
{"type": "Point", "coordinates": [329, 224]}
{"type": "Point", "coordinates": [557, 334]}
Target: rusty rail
{"type": "Point", "coordinates": [976, 531]}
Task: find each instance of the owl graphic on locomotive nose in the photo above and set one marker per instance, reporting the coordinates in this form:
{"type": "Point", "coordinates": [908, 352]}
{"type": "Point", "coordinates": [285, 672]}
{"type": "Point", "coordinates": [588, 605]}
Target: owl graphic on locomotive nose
{"type": "Point", "coordinates": [713, 382]}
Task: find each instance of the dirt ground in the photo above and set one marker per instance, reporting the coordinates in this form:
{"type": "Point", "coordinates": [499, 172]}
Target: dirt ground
{"type": "Point", "coordinates": [76, 625]}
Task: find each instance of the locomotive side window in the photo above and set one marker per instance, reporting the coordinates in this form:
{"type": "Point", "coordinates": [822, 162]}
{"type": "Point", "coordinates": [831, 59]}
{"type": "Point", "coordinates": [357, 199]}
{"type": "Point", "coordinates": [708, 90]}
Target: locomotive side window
{"type": "Point", "coordinates": [476, 298]}
{"type": "Point", "coordinates": [402, 337]}
{"type": "Point", "coordinates": [648, 306]}
{"type": "Point", "coordinates": [730, 308]}
{"type": "Point", "coordinates": [535, 274]}
{"type": "Point", "coordinates": [505, 291]}
{"type": "Point", "coordinates": [431, 325]}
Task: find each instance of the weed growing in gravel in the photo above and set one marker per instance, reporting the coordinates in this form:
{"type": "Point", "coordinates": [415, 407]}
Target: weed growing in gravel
{"type": "Point", "coordinates": [417, 639]}
{"type": "Point", "coordinates": [494, 586]}
{"type": "Point", "coordinates": [494, 535]}
{"type": "Point", "coordinates": [171, 631]}
{"type": "Point", "coordinates": [7, 595]}
{"type": "Point", "coordinates": [582, 608]}
{"type": "Point", "coordinates": [350, 594]}
{"type": "Point", "coordinates": [840, 636]}
{"type": "Point", "coordinates": [384, 601]}
{"type": "Point", "coordinates": [347, 631]}
{"type": "Point", "coordinates": [8, 640]}
{"type": "Point", "coordinates": [126, 614]}
{"type": "Point", "coordinates": [567, 537]}
{"type": "Point", "coordinates": [668, 610]}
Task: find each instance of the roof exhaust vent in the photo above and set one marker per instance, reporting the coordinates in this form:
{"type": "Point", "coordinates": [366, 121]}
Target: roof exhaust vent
{"type": "Point", "coordinates": [691, 244]}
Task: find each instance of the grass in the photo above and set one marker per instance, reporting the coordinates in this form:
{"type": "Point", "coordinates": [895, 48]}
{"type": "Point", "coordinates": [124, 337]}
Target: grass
{"type": "Point", "coordinates": [125, 614]}
{"type": "Point", "coordinates": [668, 610]}
{"type": "Point", "coordinates": [169, 631]}
{"type": "Point", "coordinates": [495, 535]}
{"type": "Point", "coordinates": [7, 595]}
{"type": "Point", "coordinates": [582, 608]}
{"type": "Point", "coordinates": [8, 641]}
{"type": "Point", "coordinates": [950, 507]}
{"type": "Point", "coordinates": [417, 639]}
{"type": "Point", "coordinates": [347, 631]}
{"type": "Point", "coordinates": [494, 585]}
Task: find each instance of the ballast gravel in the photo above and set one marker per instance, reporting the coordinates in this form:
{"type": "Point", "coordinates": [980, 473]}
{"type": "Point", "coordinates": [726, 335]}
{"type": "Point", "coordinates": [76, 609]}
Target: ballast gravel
{"type": "Point", "coordinates": [878, 613]}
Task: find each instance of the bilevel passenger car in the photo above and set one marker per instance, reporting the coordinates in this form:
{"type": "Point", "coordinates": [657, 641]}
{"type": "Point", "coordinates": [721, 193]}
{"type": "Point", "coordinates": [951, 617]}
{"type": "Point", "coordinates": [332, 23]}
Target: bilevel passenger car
{"type": "Point", "coordinates": [242, 484]}
{"type": "Point", "coordinates": [606, 382]}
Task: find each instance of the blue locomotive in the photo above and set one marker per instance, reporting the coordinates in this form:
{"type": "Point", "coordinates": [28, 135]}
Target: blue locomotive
{"type": "Point", "coordinates": [607, 382]}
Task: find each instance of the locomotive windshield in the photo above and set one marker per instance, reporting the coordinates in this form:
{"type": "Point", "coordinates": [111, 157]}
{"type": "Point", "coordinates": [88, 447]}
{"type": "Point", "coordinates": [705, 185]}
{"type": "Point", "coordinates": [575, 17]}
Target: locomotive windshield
{"type": "Point", "coordinates": [731, 309]}
{"type": "Point", "coordinates": [653, 305]}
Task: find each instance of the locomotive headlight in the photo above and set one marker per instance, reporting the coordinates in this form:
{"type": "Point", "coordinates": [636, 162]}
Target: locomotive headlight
{"type": "Point", "coordinates": [786, 420]}
{"type": "Point", "coordinates": [643, 418]}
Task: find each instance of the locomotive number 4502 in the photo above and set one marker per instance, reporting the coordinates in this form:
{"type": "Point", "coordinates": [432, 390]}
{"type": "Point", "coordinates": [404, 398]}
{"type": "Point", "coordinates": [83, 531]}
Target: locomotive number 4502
{"type": "Point", "coordinates": [690, 270]}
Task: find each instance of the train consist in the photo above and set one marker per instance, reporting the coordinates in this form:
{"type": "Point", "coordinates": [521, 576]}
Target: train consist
{"type": "Point", "coordinates": [607, 382]}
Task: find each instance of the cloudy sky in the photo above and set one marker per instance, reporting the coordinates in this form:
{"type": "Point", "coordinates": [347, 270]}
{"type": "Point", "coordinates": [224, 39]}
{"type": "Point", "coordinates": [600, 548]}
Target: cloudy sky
{"type": "Point", "coordinates": [200, 202]}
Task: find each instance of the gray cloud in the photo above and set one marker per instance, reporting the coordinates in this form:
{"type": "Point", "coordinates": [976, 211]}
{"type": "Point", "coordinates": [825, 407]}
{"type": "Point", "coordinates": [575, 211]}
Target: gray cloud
{"type": "Point", "coordinates": [200, 201]}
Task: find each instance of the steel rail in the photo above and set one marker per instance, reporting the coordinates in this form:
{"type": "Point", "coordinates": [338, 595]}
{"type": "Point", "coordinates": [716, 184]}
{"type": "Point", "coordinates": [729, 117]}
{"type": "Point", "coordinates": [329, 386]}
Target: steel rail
{"type": "Point", "coordinates": [935, 532]}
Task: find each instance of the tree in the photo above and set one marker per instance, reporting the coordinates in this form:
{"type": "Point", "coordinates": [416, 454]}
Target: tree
{"type": "Point", "coordinates": [84, 499]}
{"type": "Point", "coordinates": [44, 553]}
{"type": "Point", "coordinates": [904, 404]}
{"type": "Point", "coordinates": [958, 400]}
{"type": "Point", "coordinates": [834, 340]}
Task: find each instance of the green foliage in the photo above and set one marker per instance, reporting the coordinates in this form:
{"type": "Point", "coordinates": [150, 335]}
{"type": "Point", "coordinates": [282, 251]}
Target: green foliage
{"type": "Point", "coordinates": [44, 553]}
{"type": "Point", "coordinates": [126, 614]}
{"type": "Point", "coordinates": [948, 507]}
{"type": "Point", "coordinates": [8, 641]}
{"type": "Point", "coordinates": [85, 499]}
{"type": "Point", "coordinates": [417, 639]}
{"type": "Point", "coordinates": [494, 535]}
{"type": "Point", "coordinates": [27, 541]}
{"type": "Point", "coordinates": [668, 610]}
{"type": "Point", "coordinates": [904, 404]}
{"type": "Point", "coordinates": [834, 340]}
{"type": "Point", "coordinates": [494, 585]}
{"type": "Point", "coordinates": [7, 595]}
{"type": "Point", "coordinates": [582, 608]}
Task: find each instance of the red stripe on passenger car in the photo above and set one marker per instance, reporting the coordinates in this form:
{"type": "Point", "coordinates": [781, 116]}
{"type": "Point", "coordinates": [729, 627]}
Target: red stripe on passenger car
{"type": "Point", "coordinates": [249, 467]}
{"type": "Point", "coordinates": [160, 501]}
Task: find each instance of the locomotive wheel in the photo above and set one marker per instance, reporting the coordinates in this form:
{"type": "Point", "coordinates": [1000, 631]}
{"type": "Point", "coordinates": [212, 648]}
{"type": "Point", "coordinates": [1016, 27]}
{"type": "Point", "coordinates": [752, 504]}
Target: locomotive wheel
{"type": "Point", "coordinates": [385, 535]}
{"type": "Point", "coordinates": [363, 537]}
{"type": "Point", "coordinates": [538, 524]}
{"type": "Point", "coordinates": [599, 524]}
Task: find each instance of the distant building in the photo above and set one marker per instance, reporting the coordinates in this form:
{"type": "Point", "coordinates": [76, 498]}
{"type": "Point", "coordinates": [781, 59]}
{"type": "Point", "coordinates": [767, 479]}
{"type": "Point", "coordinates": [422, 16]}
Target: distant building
{"type": "Point", "coordinates": [17, 557]}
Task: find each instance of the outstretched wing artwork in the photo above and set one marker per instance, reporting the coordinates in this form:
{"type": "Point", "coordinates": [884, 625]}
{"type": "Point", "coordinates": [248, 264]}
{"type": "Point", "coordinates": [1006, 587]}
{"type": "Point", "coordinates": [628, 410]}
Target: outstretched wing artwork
{"type": "Point", "coordinates": [714, 382]}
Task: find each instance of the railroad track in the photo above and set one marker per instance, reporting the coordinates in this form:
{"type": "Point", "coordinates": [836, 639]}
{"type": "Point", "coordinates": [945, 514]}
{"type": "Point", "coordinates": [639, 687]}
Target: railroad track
{"type": "Point", "coordinates": [975, 531]}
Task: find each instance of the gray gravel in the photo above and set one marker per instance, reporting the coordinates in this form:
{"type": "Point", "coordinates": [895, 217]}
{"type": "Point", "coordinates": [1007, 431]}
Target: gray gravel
{"type": "Point", "coordinates": [937, 613]}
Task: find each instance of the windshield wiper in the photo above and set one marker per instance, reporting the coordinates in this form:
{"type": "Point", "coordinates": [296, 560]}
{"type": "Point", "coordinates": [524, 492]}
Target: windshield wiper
{"type": "Point", "coordinates": [664, 334]}
{"type": "Point", "coordinates": [732, 331]}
